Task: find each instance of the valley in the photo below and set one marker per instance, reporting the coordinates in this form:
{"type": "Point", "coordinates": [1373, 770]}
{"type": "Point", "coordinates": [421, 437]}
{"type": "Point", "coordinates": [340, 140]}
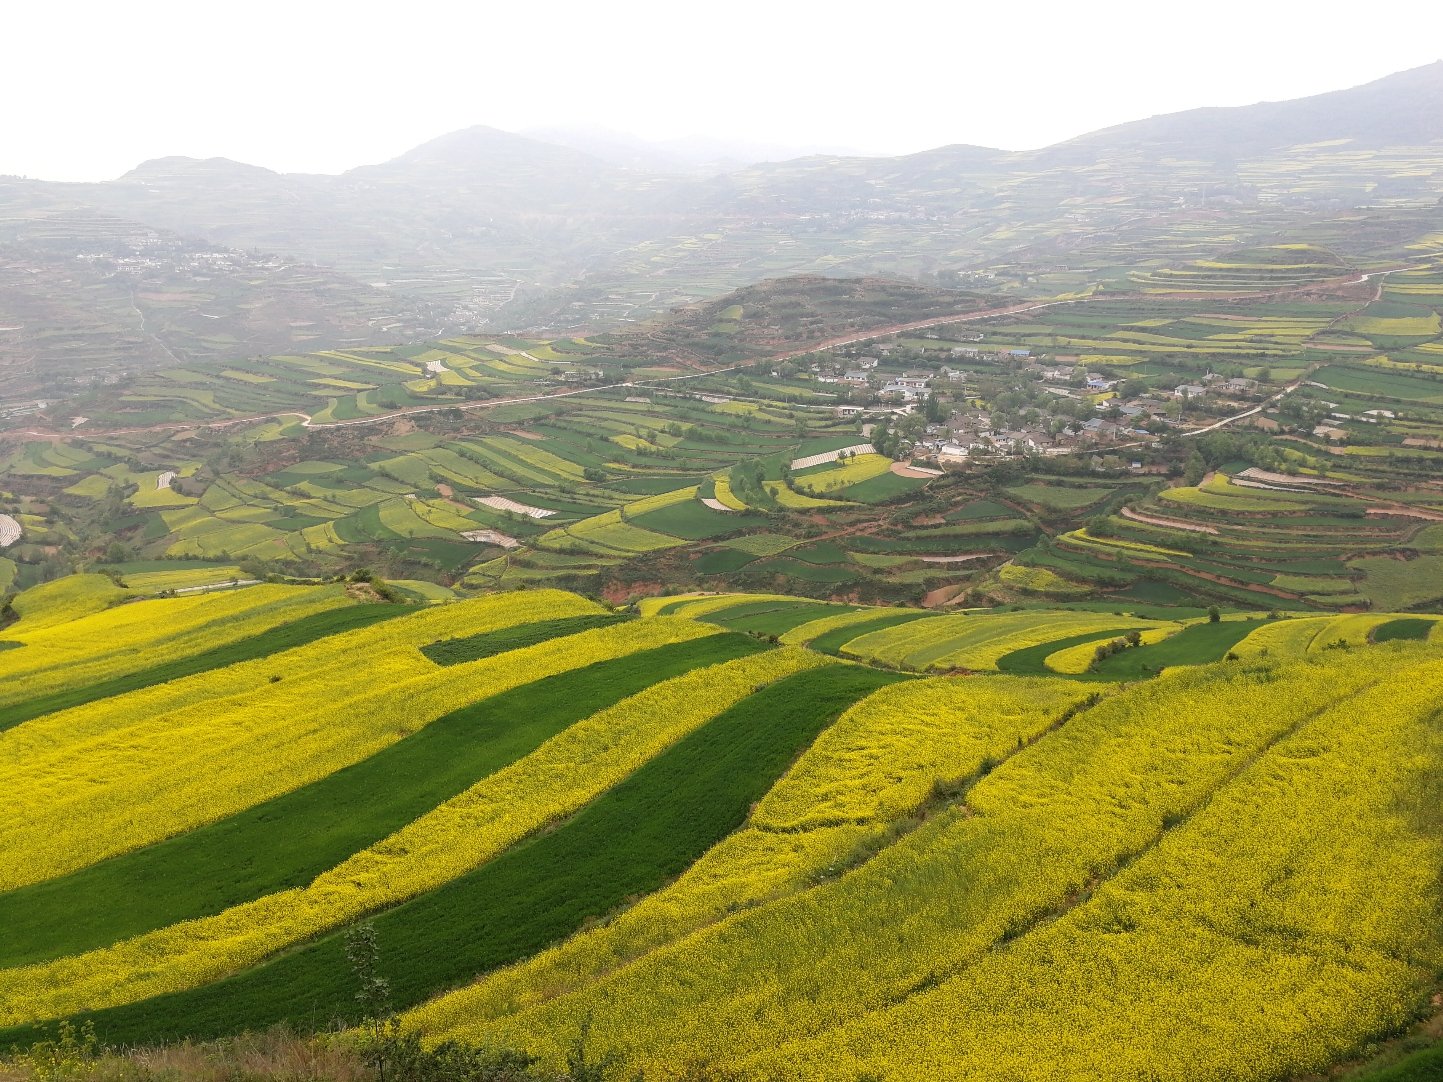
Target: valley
{"type": "Point", "coordinates": [555, 608]}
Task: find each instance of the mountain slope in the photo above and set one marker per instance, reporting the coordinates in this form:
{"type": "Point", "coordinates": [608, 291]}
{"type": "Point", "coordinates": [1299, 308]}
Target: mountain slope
{"type": "Point", "coordinates": [518, 231]}
{"type": "Point", "coordinates": [1404, 109]}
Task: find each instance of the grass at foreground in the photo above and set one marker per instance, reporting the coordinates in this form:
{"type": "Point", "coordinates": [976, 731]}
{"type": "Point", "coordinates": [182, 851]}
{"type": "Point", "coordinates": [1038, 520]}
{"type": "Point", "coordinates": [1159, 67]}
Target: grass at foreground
{"type": "Point", "coordinates": [250, 1057]}
{"type": "Point", "coordinates": [259, 850]}
{"type": "Point", "coordinates": [286, 637]}
{"type": "Point", "coordinates": [279, 1055]}
{"type": "Point", "coordinates": [1424, 1066]}
{"type": "Point", "coordinates": [627, 842]}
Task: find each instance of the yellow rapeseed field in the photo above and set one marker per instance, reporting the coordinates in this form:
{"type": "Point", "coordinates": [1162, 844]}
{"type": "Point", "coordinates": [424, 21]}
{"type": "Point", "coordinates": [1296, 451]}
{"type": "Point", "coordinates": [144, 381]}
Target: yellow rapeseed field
{"type": "Point", "coordinates": [843, 794]}
{"type": "Point", "coordinates": [1075, 660]}
{"type": "Point", "coordinates": [978, 641]}
{"type": "Point", "coordinates": [91, 782]}
{"type": "Point", "coordinates": [883, 756]}
{"type": "Point", "coordinates": [1313, 634]}
{"type": "Point", "coordinates": [555, 780]}
{"type": "Point", "coordinates": [815, 628]}
{"type": "Point", "coordinates": [1035, 835]}
{"type": "Point", "coordinates": [706, 604]}
{"type": "Point", "coordinates": [135, 636]}
{"type": "Point", "coordinates": [1293, 917]}
{"type": "Point", "coordinates": [63, 600]}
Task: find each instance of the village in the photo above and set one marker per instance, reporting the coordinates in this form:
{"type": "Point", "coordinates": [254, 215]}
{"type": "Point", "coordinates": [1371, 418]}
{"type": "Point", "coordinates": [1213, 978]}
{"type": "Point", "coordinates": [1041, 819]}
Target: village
{"type": "Point", "coordinates": [972, 401]}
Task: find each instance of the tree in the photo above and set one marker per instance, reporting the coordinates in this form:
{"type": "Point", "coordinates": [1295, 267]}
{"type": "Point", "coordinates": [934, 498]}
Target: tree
{"type": "Point", "coordinates": [380, 1027]}
{"type": "Point", "coordinates": [1194, 469]}
{"type": "Point", "coordinates": [933, 409]}
{"type": "Point", "coordinates": [1213, 615]}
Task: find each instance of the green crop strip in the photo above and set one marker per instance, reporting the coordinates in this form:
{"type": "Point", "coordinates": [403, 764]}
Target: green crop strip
{"type": "Point", "coordinates": [1424, 1066]}
{"type": "Point", "coordinates": [1194, 645]}
{"type": "Point", "coordinates": [488, 644]}
{"type": "Point", "coordinates": [1029, 660]}
{"type": "Point", "coordinates": [831, 642]}
{"type": "Point", "coordinates": [1413, 628]}
{"type": "Point", "coordinates": [288, 841]}
{"type": "Point", "coordinates": [628, 842]}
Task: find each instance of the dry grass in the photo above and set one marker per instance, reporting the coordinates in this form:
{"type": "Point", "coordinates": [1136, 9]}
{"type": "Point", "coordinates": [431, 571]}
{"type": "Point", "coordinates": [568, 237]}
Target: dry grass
{"type": "Point", "coordinates": [262, 1057]}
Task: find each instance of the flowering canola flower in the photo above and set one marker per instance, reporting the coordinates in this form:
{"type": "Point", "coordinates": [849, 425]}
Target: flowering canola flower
{"type": "Point", "coordinates": [1107, 856]}
{"type": "Point", "coordinates": [555, 780]}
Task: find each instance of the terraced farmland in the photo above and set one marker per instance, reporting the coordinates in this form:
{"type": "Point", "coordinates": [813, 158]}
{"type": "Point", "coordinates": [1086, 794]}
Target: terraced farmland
{"type": "Point", "coordinates": [695, 838]}
{"type": "Point", "coordinates": [627, 485]}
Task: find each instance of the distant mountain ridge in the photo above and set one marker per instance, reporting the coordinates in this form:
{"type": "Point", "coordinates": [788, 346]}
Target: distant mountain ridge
{"type": "Point", "coordinates": [494, 228]}
{"type": "Point", "coordinates": [1403, 109]}
{"type": "Point", "coordinates": [695, 155]}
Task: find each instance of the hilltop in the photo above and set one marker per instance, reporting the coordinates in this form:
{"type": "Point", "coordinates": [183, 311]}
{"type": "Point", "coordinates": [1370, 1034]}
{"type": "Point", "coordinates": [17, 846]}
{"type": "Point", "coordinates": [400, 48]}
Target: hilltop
{"type": "Point", "coordinates": [793, 314]}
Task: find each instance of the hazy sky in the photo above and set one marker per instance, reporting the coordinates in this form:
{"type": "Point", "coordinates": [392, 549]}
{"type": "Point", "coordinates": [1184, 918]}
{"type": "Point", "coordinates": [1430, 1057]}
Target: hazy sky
{"type": "Point", "coordinates": [91, 89]}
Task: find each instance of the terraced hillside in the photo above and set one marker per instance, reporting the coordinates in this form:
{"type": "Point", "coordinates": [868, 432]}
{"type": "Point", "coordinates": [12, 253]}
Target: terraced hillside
{"type": "Point", "coordinates": [574, 491]}
{"type": "Point", "coordinates": [1260, 539]}
{"type": "Point", "coordinates": [709, 833]}
{"type": "Point", "coordinates": [1051, 435]}
{"type": "Point", "coordinates": [1040, 641]}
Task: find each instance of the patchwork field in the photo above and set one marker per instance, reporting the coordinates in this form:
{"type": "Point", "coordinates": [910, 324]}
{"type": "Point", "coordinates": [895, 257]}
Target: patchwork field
{"type": "Point", "coordinates": [672, 831]}
{"type": "Point", "coordinates": [971, 615]}
{"type": "Point", "coordinates": [1318, 376]}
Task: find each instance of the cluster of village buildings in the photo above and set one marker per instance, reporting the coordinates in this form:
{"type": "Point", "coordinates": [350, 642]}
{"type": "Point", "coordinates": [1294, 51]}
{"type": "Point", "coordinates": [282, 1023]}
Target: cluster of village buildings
{"type": "Point", "coordinates": [1089, 410]}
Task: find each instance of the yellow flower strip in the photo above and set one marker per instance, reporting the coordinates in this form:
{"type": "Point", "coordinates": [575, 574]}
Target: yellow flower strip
{"type": "Point", "coordinates": [977, 641]}
{"type": "Point", "coordinates": [1037, 830]}
{"type": "Point", "coordinates": [660, 500]}
{"type": "Point", "coordinates": [1290, 920]}
{"type": "Point", "coordinates": [932, 728]}
{"type": "Point", "coordinates": [861, 468]}
{"type": "Point", "coordinates": [114, 775]}
{"type": "Point", "coordinates": [650, 606]}
{"type": "Point", "coordinates": [1313, 634]}
{"type": "Point", "coordinates": [705, 606]}
{"type": "Point", "coordinates": [1355, 629]}
{"type": "Point", "coordinates": [1283, 638]}
{"type": "Point", "coordinates": [883, 757]}
{"type": "Point", "coordinates": [60, 734]}
{"type": "Point", "coordinates": [557, 779]}
{"type": "Point", "coordinates": [724, 494]}
{"type": "Point", "coordinates": [797, 501]}
{"type": "Point", "coordinates": [140, 634]}
{"type": "Point", "coordinates": [62, 601]}
{"type": "Point", "coordinates": [1075, 660]}
{"type": "Point", "coordinates": [816, 628]}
